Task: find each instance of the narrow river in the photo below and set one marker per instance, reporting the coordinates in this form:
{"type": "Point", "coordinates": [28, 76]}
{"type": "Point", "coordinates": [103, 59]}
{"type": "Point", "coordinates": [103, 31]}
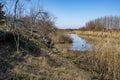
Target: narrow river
{"type": "Point", "coordinates": [78, 44]}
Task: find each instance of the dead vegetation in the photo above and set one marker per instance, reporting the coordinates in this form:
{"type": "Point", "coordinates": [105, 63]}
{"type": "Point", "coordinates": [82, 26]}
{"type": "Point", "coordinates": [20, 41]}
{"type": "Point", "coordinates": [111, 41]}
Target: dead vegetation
{"type": "Point", "coordinates": [29, 64]}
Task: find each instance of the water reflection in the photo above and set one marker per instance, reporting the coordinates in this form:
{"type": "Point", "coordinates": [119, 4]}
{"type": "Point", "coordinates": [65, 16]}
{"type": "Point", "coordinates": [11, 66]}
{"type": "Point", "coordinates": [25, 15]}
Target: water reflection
{"type": "Point", "coordinates": [79, 44]}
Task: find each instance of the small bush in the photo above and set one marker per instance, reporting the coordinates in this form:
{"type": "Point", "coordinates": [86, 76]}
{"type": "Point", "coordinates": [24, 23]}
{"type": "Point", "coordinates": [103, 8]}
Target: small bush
{"type": "Point", "coordinates": [61, 37]}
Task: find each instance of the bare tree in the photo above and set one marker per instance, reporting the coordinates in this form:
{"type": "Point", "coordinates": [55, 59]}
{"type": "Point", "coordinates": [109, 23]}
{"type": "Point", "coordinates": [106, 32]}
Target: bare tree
{"type": "Point", "coordinates": [15, 29]}
{"type": "Point", "coordinates": [41, 22]}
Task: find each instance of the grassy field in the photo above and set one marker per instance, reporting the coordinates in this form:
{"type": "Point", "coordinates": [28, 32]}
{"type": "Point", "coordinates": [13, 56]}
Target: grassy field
{"type": "Point", "coordinates": [103, 62]}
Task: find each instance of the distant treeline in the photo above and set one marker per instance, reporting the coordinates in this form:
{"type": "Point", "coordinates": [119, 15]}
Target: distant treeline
{"type": "Point", "coordinates": [103, 23]}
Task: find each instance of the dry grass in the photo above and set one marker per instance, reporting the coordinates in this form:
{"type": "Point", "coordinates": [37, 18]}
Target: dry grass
{"type": "Point", "coordinates": [50, 67]}
{"type": "Point", "coordinates": [104, 61]}
{"type": "Point", "coordinates": [46, 66]}
{"type": "Point", "coordinates": [102, 34]}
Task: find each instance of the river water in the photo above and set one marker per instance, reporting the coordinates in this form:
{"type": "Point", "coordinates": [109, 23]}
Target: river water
{"type": "Point", "coordinates": [78, 44]}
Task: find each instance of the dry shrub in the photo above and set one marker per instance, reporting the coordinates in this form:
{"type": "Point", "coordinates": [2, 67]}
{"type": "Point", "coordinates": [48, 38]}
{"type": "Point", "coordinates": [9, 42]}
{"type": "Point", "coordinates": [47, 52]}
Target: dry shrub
{"type": "Point", "coordinates": [60, 37]}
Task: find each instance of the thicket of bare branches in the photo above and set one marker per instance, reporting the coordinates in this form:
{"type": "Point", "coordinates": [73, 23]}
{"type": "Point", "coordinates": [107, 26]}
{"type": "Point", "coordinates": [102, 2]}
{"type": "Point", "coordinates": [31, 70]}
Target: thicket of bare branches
{"type": "Point", "coordinates": [39, 21]}
{"type": "Point", "coordinates": [36, 22]}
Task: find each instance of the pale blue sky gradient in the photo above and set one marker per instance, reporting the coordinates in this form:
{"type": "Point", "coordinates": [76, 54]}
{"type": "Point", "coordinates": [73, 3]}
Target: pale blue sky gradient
{"type": "Point", "coordinates": [75, 13]}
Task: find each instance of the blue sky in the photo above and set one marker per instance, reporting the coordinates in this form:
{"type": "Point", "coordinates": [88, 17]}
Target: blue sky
{"type": "Point", "coordinates": [75, 13]}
